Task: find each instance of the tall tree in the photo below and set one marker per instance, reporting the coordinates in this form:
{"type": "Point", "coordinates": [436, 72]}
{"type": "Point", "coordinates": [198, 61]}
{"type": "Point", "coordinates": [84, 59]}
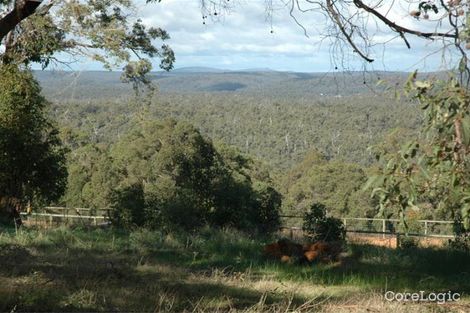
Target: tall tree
{"type": "Point", "coordinates": [32, 161]}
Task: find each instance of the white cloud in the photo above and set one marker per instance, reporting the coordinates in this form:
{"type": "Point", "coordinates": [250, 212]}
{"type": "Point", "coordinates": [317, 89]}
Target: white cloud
{"type": "Point", "coordinates": [242, 38]}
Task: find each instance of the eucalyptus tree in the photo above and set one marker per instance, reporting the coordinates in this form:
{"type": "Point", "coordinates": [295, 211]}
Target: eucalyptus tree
{"type": "Point", "coordinates": [63, 31]}
{"type": "Point", "coordinates": [431, 170]}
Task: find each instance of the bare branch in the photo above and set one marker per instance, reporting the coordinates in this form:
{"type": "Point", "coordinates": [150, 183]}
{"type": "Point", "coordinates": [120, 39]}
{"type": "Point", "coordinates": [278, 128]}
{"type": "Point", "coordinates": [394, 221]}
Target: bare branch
{"type": "Point", "coordinates": [400, 29]}
{"type": "Point", "coordinates": [337, 19]}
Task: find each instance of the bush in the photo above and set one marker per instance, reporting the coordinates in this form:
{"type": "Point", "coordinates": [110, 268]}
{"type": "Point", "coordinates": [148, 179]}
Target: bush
{"type": "Point", "coordinates": [128, 206]}
{"type": "Point", "coordinates": [461, 242]}
{"type": "Point", "coordinates": [408, 243]}
{"type": "Point", "coordinates": [265, 217]}
{"type": "Point", "coordinates": [318, 226]}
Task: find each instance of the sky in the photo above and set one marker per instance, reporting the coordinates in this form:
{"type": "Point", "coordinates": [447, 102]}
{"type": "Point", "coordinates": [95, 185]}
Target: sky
{"type": "Point", "coordinates": [246, 38]}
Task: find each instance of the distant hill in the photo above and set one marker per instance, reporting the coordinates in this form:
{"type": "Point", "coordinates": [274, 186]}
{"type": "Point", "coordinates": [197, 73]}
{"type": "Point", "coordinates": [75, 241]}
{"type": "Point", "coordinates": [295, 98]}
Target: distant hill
{"type": "Point", "coordinates": [197, 69]}
{"type": "Point", "coordinates": [264, 82]}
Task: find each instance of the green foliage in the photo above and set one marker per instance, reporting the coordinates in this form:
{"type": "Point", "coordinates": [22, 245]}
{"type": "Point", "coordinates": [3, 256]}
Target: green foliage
{"type": "Point", "coordinates": [407, 243]}
{"type": "Point", "coordinates": [174, 167]}
{"type": "Point", "coordinates": [265, 213]}
{"type": "Point", "coordinates": [91, 178]}
{"type": "Point", "coordinates": [318, 226]}
{"type": "Point", "coordinates": [166, 175]}
{"type": "Point", "coordinates": [256, 125]}
{"type": "Point", "coordinates": [411, 224]}
{"type": "Point", "coordinates": [431, 171]}
{"type": "Point", "coordinates": [244, 194]}
{"type": "Point", "coordinates": [333, 174]}
{"type": "Point", "coordinates": [32, 160]}
{"type": "Point", "coordinates": [129, 206]}
{"type": "Point", "coordinates": [460, 243]}
{"type": "Point", "coordinates": [336, 184]}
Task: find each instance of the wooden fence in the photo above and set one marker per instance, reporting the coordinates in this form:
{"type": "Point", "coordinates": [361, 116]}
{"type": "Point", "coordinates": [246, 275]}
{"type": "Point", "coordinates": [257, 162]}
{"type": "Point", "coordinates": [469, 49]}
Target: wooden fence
{"type": "Point", "coordinates": [62, 215]}
{"type": "Point", "coordinates": [385, 227]}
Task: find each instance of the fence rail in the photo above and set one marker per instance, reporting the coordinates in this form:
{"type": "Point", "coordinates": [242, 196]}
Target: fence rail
{"type": "Point", "coordinates": [53, 209]}
{"type": "Point", "coordinates": [51, 214]}
{"type": "Point", "coordinates": [421, 228]}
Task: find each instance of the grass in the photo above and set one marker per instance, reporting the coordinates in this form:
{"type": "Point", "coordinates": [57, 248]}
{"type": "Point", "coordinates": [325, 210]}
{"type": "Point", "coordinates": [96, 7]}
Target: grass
{"type": "Point", "coordinates": [79, 269]}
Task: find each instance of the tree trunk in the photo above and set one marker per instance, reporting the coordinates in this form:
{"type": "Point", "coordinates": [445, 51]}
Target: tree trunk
{"type": "Point", "coordinates": [11, 207]}
{"type": "Point", "coordinates": [460, 148]}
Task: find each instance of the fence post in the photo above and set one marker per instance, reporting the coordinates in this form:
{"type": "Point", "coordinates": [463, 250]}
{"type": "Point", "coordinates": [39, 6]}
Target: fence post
{"type": "Point", "coordinates": [383, 228]}
{"type": "Point", "coordinates": [425, 228]}
{"type": "Point", "coordinates": [345, 224]}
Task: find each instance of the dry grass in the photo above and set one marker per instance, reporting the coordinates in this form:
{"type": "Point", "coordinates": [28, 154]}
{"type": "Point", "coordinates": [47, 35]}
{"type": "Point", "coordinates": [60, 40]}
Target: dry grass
{"type": "Point", "coordinates": [391, 241]}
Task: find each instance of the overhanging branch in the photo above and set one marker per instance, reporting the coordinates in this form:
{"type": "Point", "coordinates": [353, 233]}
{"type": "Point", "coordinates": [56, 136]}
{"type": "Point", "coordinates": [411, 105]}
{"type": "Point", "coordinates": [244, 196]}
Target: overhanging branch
{"type": "Point", "coordinates": [400, 29]}
{"type": "Point", "coordinates": [337, 19]}
{"type": "Point", "coordinates": [22, 9]}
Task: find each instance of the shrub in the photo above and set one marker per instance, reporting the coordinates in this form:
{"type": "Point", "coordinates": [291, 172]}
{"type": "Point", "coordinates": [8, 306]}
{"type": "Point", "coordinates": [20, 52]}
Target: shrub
{"type": "Point", "coordinates": [268, 203]}
{"type": "Point", "coordinates": [408, 243]}
{"type": "Point", "coordinates": [461, 242]}
{"type": "Point", "coordinates": [128, 206]}
{"type": "Point", "coordinates": [318, 226]}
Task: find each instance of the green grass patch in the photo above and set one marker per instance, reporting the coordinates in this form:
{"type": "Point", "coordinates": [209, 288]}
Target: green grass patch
{"type": "Point", "coordinates": [81, 269]}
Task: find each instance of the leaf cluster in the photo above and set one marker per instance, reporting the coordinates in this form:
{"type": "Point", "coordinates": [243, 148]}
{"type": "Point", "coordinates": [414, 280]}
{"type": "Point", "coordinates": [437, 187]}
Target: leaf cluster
{"type": "Point", "coordinates": [433, 170]}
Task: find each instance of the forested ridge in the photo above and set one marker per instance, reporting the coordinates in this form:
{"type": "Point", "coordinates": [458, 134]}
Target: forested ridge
{"type": "Point", "coordinates": [278, 124]}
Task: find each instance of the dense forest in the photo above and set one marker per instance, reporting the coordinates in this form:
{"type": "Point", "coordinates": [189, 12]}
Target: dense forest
{"type": "Point", "coordinates": [315, 135]}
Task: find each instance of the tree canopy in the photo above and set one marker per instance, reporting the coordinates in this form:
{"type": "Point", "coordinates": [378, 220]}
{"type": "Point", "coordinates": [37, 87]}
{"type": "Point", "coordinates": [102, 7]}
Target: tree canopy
{"type": "Point", "coordinates": [336, 184]}
{"type": "Point", "coordinates": [106, 31]}
{"type": "Point", "coordinates": [166, 174]}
